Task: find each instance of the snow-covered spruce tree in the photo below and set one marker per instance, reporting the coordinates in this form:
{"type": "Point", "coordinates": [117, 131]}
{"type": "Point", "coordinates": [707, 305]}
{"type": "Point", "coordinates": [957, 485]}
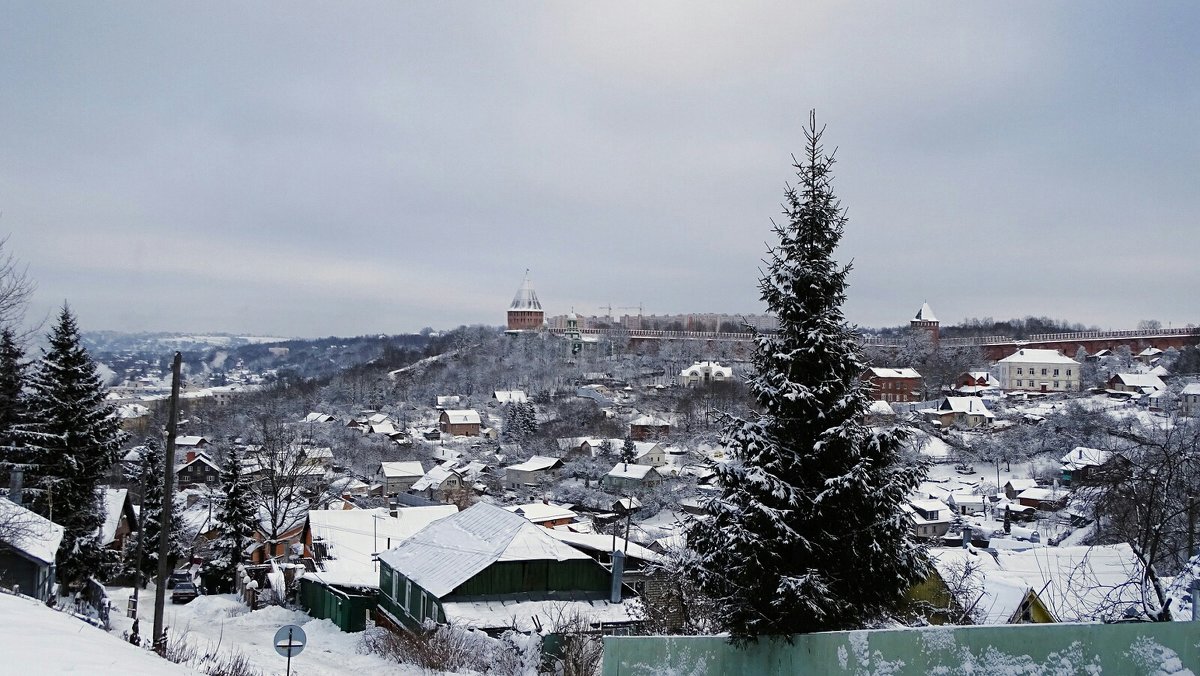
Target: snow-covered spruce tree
{"type": "Point", "coordinates": [72, 436]}
{"type": "Point", "coordinates": [150, 475]}
{"type": "Point", "coordinates": [808, 532]}
{"type": "Point", "coordinates": [12, 404]}
{"type": "Point", "coordinates": [628, 450]}
{"type": "Point", "coordinates": [236, 520]}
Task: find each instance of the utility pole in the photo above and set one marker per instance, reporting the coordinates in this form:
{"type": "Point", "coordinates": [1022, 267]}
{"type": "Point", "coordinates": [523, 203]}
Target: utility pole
{"type": "Point", "coordinates": [164, 534]}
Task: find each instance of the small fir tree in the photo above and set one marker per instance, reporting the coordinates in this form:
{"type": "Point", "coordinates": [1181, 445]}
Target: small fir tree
{"type": "Point", "coordinates": [808, 533]}
{"type": "Point", "coordinates": [628, 450]}
{"type": "Point", "coordinates": [72, 437]}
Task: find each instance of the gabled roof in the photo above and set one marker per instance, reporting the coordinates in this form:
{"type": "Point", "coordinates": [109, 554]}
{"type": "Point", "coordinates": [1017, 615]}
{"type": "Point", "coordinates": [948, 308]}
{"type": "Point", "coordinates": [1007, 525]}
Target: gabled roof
{"type": "Point", "coordinates": [631, 471]}
{"type": "Point", "coordinates": [965, 405]}
{"type": "Point", "coordinates": [1082, 456]}
{"type": "Point", "coordinates": [1036, 356]}
{"type": "Point", "coordinates": [649, 421]}
{"type": "Point", "coordinates": [115, 500]}
{"type": "Point", "coordinates": [539, 512]}
{"type": "Point", "coordinates": [434, 477]}
{"type": "Point", "coordinates": [1141, 380]}
{"type": "Point", "coordinates": [1080, 584]}
{"type": "Point", "coordinates": [404, 468]}
{"type": "Point", "coordinates": [537, 463]}
{"type": "Point", "coordinates": [315, 417]}
{"type": "Point", "coordinates": [1191, 388]}
{"type": "Point", "coordinates": [201, 458]}
{"type": "Point", "coordinates": [461, 416]}
{"type": "Point", "coordinates": [190, 441]}
{"type": "Point", "coordinates": [34, 535]}
{"type": "Point", "coordinates": [510, 396]}
{"type": "Point", "coordinates": [451, 551]}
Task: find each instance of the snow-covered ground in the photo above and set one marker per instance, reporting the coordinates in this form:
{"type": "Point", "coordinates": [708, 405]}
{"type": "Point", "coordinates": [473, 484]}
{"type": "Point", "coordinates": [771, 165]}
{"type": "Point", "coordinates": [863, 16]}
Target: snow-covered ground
{"type": "Point", "coordinates": [220, 622]}
{"type": "Point", "coordinates": [37, 640]}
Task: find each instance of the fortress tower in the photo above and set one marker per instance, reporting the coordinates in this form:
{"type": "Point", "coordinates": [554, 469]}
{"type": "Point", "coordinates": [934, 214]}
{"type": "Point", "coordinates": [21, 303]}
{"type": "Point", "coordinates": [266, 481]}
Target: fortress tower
{"type": "Point", "coordinates": [525, 313]}
{"type": "Point", "coordinates": [926, 321]}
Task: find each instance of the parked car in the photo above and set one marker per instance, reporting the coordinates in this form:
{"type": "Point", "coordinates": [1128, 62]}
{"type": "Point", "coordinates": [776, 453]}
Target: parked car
{"type": "Point", "coordinates": [178, 576]}
{"type": "Point", "coordinates": [184, 592]}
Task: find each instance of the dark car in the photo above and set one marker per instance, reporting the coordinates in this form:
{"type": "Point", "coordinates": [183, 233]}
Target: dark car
{"type": "Point", "coordinates": [178, 576]}
{"type": "Point", "coordinates": [184, 591]}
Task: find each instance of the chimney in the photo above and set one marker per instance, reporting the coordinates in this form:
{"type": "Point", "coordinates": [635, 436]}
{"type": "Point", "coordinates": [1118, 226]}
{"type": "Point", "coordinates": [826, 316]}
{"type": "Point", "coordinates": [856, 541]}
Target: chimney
{"type": "Point", "coordinates": [618, 572]}
{"type": "Point", "coordinates": [16, 485]}
{"type": "Point", "coordinates": [191, 455]}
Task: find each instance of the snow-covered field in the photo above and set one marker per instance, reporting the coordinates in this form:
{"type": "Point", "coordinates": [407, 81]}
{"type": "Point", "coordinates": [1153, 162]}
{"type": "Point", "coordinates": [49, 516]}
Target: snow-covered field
{"type": "Point", "coordinates": [220, 622]}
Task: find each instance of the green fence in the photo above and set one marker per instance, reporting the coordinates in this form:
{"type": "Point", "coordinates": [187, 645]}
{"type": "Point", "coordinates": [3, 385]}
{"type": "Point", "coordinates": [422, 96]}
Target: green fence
{"type": "Point", "coordinates": [347, 608]}
{"type": "Point", "coordinates": [1137, 648]}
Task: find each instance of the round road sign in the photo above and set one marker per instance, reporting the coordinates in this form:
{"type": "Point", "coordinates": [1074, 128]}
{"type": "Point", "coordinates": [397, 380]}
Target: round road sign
{"type": "Point", "coordinates": [289, 640]}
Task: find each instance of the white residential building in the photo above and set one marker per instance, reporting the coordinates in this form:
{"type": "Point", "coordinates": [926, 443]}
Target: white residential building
{"type": "Point", "coordinates": [1039, 371]}
{"type": "Point", "coordinates": [705, 372]}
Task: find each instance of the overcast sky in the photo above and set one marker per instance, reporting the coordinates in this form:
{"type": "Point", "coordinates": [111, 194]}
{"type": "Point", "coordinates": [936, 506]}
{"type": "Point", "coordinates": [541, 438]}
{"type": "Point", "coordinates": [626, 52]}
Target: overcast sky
{"type": "Point", "coordinates": [305, 170]}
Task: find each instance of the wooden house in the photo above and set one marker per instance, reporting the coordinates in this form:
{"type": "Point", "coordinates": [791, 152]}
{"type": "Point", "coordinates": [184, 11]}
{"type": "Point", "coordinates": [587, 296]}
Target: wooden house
{"type": "Point", "coordinates": [459, 422]}
{"type": "Point", "coordinates": [399, 477]}
{"type": "Point", "coordinates": [27, 560]}
{"type": "Point", "coordinates": [648, 427]}
{"type": "Point", "coordinates": [487, 568]}
{"type": "Point", "coordinates": [532, 472]}
{"type": "Point", "coordinates": [198, 470]}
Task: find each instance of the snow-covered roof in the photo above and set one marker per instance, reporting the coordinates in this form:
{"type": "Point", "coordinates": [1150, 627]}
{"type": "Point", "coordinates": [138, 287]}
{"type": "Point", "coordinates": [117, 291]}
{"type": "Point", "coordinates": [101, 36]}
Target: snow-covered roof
{"type": "Point", "coordinates": [510, 396]}
{"type": "Point", "coordinates": [315, 417]}
{"type": "Point", "coordinates": [451, 551]}
{"type": "Point", "coordinates": [649, 421]}
{"type": "Point", "coordinates": [625, 470]}
{"type": "Point", "coordinates": [1036, 356]}
{"type": "Point", "coordinates": [201, 458]}
{"type": "Point", "coordinates": [33, 533]}
{"type": "Point", "coordinates": [925, 314]}
{"type": "Point", "coordinates": [1150, 352]}
{"type": "Point", "coordinates": [434, 477]}
{"type": "Point", "coordinates": [601, 542]}
{"type": "Point", "coordinates": [1191, 388]}
{"type": "Point", "coordinates": [1021, 484]}
{"type": "Point", "coordinates": [402, 468]}
{"type": "Point", "coordinates": [880, 372]}
{"type": "Point", "coordinates": [536, 464]}
{"type": "Point", "coordinates": [448, 400]}
{"type": "Point", "coordinates": [714, 369]}
{"type": "Point", "coordinates": [461, 416]}
{"type": "Point", "coordinates": [114, 505]}
{"type": "Point", "coordinates": [881, 408]}
{"type": "Point", "coordinates": [355, 534]}
{"type": "Point", "coordinates": [1042, 493]}
{"type": "Point", "coordinates": [1082, 456]}
{"type": "Point", "coordinates": [190, 441]}
{"type": "Point", "coordinates": [382, 428]}
{"type": "Point", "coordinates": [526, 298]}
{"type": "Point", "coordinates": [540, 512]}
{"type": "Point", "coordinates": [966, 405]}
{"type": "Point", "coordinates": [1141, 380]}
{"type": "Point", "coordinates": [1078, 584]}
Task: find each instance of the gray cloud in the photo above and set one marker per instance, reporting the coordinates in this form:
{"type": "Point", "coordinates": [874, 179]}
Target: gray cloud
{"type": "Point", "coordinates": [382, 167]}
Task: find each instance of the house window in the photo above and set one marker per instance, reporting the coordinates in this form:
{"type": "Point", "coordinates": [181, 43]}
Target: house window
{"type": "Point", "coordinates": [395, 587]}
{"type": "Point", "coordinates": [1055, 371]}
{"type": "Point", "coordinates": [407, 596]}
{"type": "Point", "coordinates": [1019, 372]}
{"type": "Point", "coordinates": [1056, 383]}
{"type": "Point", "coordinates": [1043, 371]}
{"type": "Point", "coordinates": [421, 615]}
{"type": "Point", "coordinates": [1068, 373]}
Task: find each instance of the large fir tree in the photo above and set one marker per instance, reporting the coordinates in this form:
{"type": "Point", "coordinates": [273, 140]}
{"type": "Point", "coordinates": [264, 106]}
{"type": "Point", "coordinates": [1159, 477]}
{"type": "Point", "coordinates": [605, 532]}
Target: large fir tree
{"type": "Point", "coordinates": [150, 476]}
{"type": "Point", "coordinates": [808, 533]}
{"type": "Point", "coordinates": [236, 520]}
{"type": "Point", "coordinates": [72, 437]}
{"type": "Point", "coordinates": [12, 404]}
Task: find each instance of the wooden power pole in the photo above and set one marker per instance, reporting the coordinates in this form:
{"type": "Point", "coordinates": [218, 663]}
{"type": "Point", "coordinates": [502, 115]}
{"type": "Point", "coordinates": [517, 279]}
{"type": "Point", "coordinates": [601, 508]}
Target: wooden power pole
{"type": "Point", "coordinates": [164, 533]}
